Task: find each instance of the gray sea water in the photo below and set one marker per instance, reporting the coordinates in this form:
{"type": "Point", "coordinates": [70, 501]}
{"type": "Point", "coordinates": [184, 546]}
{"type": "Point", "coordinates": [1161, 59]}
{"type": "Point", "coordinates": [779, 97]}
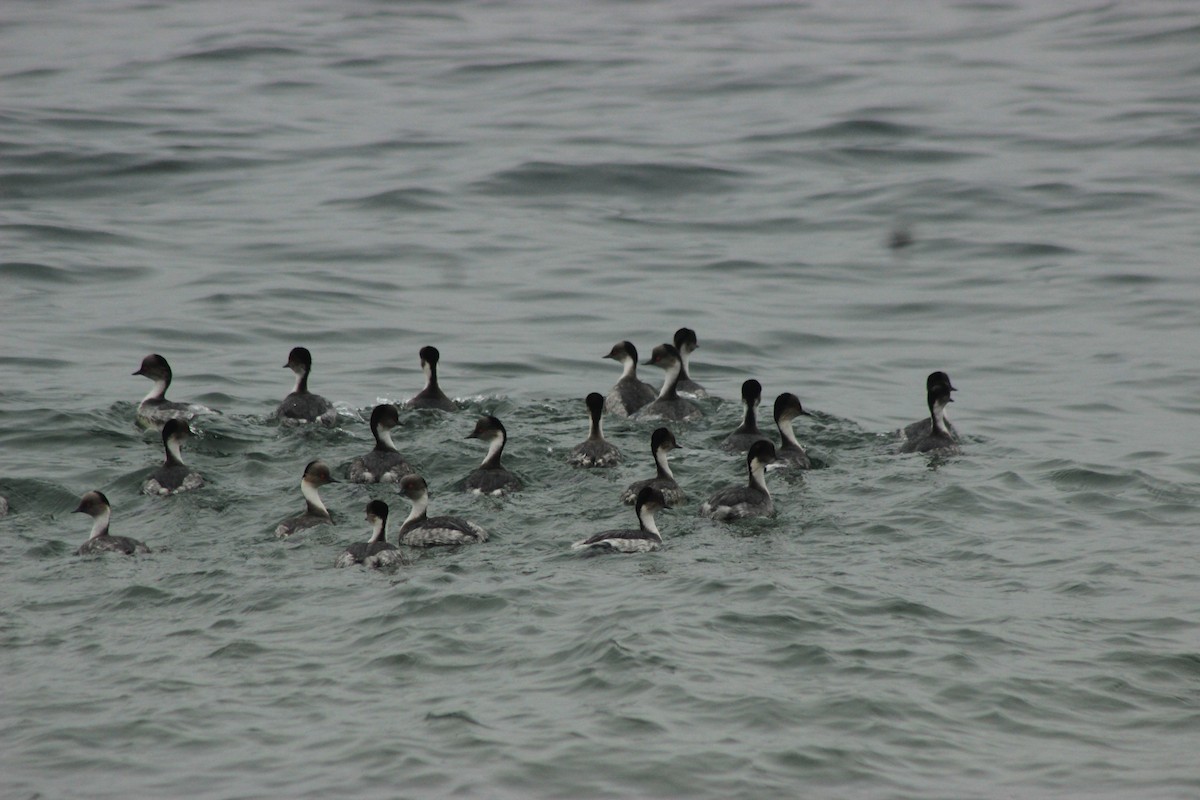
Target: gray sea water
{"type": "Point", "coordinates": [522, 184]}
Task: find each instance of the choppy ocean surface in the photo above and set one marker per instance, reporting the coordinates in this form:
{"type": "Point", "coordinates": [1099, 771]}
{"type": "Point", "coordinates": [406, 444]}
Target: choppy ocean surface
{"type": "Point", "coordinates": [523, 185]}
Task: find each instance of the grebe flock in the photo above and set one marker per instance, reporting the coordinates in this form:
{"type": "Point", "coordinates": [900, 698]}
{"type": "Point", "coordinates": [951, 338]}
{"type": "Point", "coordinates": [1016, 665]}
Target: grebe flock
{"type": "Point", "coordinates": [629, 398]}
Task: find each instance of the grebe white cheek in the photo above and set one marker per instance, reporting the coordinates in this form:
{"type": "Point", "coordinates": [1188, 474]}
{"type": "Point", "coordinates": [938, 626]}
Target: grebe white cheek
{"type": "Point", "coordinates": [749, 500]}
{"type": "Point", "coordinates": [316, 474]}
{"type": "Point", "coordinates": [629, 393]}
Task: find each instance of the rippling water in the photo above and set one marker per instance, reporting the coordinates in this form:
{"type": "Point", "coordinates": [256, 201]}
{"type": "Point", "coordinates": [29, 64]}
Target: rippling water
{"type": "Point", "coordinates": [522, 185]}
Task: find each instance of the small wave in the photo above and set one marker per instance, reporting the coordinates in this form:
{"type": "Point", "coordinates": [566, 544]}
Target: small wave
{"type": "Point", "coordinates": [239, 53]}
{"type": "Point", "coordinates": [395, 200]}
{"type": "Point", "coordinates": [545, 177]}
{"type": "Point", "coordinates": [29, 271]}
{"type": "Point", "coordinates": [522, 65]}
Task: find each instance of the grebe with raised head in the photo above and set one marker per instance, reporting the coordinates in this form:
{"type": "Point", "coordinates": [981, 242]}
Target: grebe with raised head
{"type": "Point", "coordinates": [790, 452]}
{"type": "Point", "coordinates": [96, 506]}
{"type": "Point", "coordinates": [302, 405]}
{"type": "Point", "coordinates": [490, 477]}
{"type": "Point", "coordinates": [155, 409]}
{"type": "Point", "coordinates": [747, 433]}
{"type": "Point", "coordinates": [316, 474]}
{"type": "Point", "coordinates": [662, 442]}
{"type": "Point", "coordinates": [938, 437]}
{"type": "Point", "coordinates": [422, 530]}
{"type": "Point", "coordinates": [629, 393]}
{"type": "Point", "coordinates": [173, 476]}
{"type": "Point", "coordinates": [645, 538]}
{"type": "Point", "coordinates": [595, 451]}
{"type": "Point", "coordinates": [668, 405]}
{"type": "Point", "coordinates": [752, 500]}
{"type": "Point", "coordinates": [686, 344]}
{"type": "Point", "coordinates": [377, 551]}
{"type": "Point", "coordinates": [922, 427]}
{"type": "Point", "coordinates": [384, 464]}
{"type": "Point", "coordinates": [432, 395]}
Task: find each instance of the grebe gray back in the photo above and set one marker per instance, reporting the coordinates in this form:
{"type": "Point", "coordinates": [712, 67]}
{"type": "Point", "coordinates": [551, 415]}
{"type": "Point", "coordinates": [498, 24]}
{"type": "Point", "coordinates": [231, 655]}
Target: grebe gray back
{"type": "Point", "coordinates": [316, 474]}
{"type": "Point", "coordinates": [662, 442]}
{"type": "Point", "coordinates": [155, 409]}
{"type": "Point", "coordinates": [490, 477]}
{"type": "Point", "coordinates": [790, 452]}
{"type": "Point", "coordinates": [96, 506]}
{"type": "Point", "coordinates": [595, 451]}
{"type": "Point", "coordinates": [384, 464]}
{"type": "Point", "coordinates": [747, 433]}
{"type": "Point", "coordinates": [645, 538]}
{"type": "Point", "coordinates": [668, 405]}
{"type": "Point", "coordinates": [302, 405]}
{"type": "Point", "coordinates": [432, 395]}
{"type": "Point", "coordinates": [938, 436]}
{"type": "Point", "coordinates": [421, 530]}
{"type": "Point", "coordinates": [751, 500]}
{"type": "Point", "coordinates": [630, 392]}
{"type": "Point", "coordinates": [377, 551]}
{"type": "Point", "coordinates": [686, 344]}
{"type": "Point", "coordinates": [173, 476]}
{"type": "Point", "coordinates": [922, 427]}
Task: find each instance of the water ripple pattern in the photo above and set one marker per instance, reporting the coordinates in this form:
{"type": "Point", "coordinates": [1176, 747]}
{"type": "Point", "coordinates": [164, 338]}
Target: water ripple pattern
{"type": "Point", "coordinates": [838, 198]}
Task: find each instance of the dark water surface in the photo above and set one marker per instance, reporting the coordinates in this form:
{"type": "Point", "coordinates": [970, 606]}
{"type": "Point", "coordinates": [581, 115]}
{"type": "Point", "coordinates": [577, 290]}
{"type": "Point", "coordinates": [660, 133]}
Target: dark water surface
{"type": "Point", "coordinates": [522, 185]}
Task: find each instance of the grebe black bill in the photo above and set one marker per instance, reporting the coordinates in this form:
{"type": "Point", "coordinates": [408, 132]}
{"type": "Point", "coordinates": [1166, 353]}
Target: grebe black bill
{"type": "Point", "coordinates": [422, 530]}
{"type": "Point", "coordinates": [662, 442]}
{"type": "Point", "coordinates": [432, 395]}
{"type": "Point", "coordinates": [645, 538]}
{"type": "Point", "coordinates": [595, 451]}
{"type": "Point", "coordinates": [629, 393]}
{"type": "Point", "coordinates": [384, 464]}
{"type": "Point", "coordinates": [173, 476]}
{"type": "Point", "coordinates": [747, 433]}
{"type": "Point", "coordinates": [686, 344]}
{"type": "Point", "coordinates": [302, 405]}
{"type": "Point", "coordinates": [316, 474]}
{"type": "Point", "coordinates": [96, 506]}
{"type": "Point", "coordinates": [750, 500]}
{"type": "Point", "coordinates": [668, 405]}
{"type": "Point", "coordinates": [790, 452]}
{"type": "Point", "coordinates": [377, 551]}
{"type": "Point", "coordinates": [491, 477]}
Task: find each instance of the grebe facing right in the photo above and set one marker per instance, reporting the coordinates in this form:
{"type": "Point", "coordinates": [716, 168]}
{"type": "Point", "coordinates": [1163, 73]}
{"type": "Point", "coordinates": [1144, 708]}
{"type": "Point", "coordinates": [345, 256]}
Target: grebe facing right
{"type": "Point", "coordinates": [790, 453]}
{"type": "Point", "coordinates": [316, 474]}
{"type": "Point", "coordinates": [173, 476]}
{"type": "Point", "coordinates": [662, 441]}
{"type": "Point", "coordinates": [938, 438]}
{"type": "Point", "coordinates": [922, 427]}
{"type": "Point", "coordinates": [630, 392]}
{"type": "Point", "coordinates": [686, 344]}
{"type": "Point", "coordinates": [432, 395]}
{"type": "Point", "coordinates": [384, 464]}
{"type": "Point", "coordinates": [302, 405]}
{"type": "Point", "coordinates": [753, 500]}
{"type": "Point", "coordinates": [595, 451]}
{"type": "Point", "coordinates": [644, 539]}
{"type": "Point", "coordinates": [96, 506]}
{"type": "Point", "coordinates": [747, 433]}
